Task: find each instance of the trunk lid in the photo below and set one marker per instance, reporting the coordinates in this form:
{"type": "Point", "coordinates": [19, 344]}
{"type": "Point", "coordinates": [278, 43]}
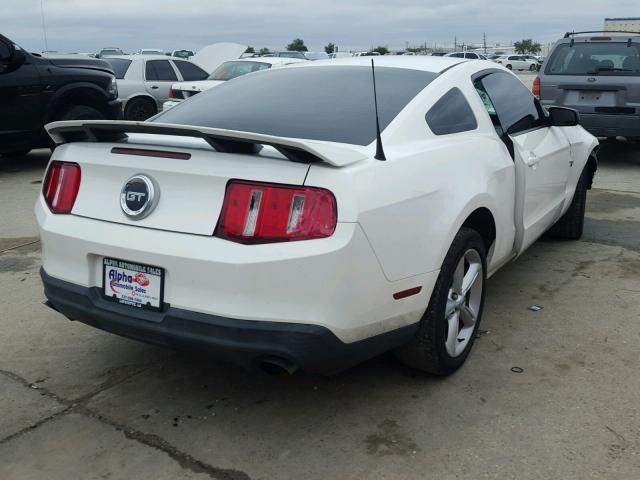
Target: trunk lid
{"type": "Point", "coordinates": [189, 192]}
{"type": "Point", "coordinates": [212, 56]}
{"type": "Point", "coordinates": [188, 166]}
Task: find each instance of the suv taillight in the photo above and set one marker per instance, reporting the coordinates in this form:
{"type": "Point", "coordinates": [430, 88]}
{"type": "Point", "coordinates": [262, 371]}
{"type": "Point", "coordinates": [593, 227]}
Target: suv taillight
{"type": "Point", "coordinates": [61, 186]}
{"type": "Point", "coordinates": [536, 87]}
{"type": "Point", "coordinates": [265, 213]}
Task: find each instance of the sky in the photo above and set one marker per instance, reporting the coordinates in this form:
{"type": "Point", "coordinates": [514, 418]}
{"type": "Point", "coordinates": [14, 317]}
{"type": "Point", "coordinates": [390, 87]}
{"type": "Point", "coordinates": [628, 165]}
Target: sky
{"type": "Point", "coordinates": [88, 25]}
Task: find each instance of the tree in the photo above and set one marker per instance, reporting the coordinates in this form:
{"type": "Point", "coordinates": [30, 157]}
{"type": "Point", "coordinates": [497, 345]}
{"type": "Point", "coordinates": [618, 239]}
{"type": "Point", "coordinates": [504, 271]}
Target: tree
{"type": "Point", "coordinates": [297, 46]}
{"type": "Point", "coordinates": [331, 48]}
{"type": "Point", "coordinates": [527, 45]}
{"type": "Point", "coordinates": [381, 50]}
{"type": "Point", "coordinates": [264, 51]}
{"type": "Point", "coordinates": [250, 49]}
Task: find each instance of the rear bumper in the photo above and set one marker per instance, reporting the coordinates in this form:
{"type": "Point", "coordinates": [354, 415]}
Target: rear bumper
{"type": "Point", "coordinates": [336, 283]}
{"type": "Point", "coordinates": [312, 348]}
{"type": "Point", "coordinates": [601, 125]}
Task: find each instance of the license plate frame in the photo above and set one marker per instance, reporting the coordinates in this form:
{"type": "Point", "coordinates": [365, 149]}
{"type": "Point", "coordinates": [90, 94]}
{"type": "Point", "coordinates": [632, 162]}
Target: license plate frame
{"type": "Point", "coordinates": [153, 291]}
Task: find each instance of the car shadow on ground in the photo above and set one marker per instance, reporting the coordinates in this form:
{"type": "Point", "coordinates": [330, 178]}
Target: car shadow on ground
{"type": "Point", "coordinates": [34, 161]}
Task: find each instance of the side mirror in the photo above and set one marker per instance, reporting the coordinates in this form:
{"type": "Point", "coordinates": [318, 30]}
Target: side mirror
{"type": "Point", "coordinates": [563, 117]}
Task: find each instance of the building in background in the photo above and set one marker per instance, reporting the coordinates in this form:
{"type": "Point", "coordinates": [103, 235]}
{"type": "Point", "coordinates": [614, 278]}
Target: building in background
{"type": "Point", "coordinates": [630, 24]}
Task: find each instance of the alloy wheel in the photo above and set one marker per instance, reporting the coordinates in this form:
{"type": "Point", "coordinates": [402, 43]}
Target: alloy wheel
{"type": "Point", "coordinates": [463, 302]}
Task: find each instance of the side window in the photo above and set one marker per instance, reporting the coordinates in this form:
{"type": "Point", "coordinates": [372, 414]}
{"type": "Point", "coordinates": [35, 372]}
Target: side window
{"type": "Point", "coordinates": [513, 103]}
{"type": "Point", "coordinates": [189, 71]}
{"type": "Point", "coordinates": [451, 114]}
{"type": "Point", "coordinates": [160, 70]}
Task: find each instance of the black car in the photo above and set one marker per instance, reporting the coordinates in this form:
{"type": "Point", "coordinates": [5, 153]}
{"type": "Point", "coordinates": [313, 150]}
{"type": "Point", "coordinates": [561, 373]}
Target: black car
{"type": "Point", "coordinates": [35, 91]}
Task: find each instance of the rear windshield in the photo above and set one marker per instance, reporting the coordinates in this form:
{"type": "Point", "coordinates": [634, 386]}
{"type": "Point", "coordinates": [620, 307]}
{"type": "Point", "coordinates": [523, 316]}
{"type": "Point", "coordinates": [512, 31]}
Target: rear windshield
{"type": "Point", "coordinates": [333, 103]}
{"type": "Point", "coordinates": [119, 66]}
{"type": "Point", "coordinates": [229, 70]}
{"type": "Point", "coordinates": [595, 58]}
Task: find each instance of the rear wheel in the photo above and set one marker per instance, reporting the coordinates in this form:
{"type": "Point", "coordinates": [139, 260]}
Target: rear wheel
{"type": "Point", "coordinates": [571, 224]}
{"type": "Point", "coordinates": [509, 67]}
{"type": "Point", "coordinates": [448, 328]}
{"type": "Point", "coordinates": [139, 109]}
{"type": "Point", "coordinates": [532, 68]}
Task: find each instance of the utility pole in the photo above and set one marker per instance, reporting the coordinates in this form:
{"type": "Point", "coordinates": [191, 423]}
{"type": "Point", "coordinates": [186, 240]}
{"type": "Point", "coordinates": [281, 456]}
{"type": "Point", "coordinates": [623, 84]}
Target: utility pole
{"type": "Point", "coordinates": [484, 42]}
{"type": "Point", "coordinates": [455, 43]}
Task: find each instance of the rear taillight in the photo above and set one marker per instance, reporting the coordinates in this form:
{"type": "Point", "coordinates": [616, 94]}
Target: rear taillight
{"type": "Point", "coordinates": [171, 93]}
{"type": "Point", "coordinates": [61, 186]}
{"type": "Point", "coordinates": [536, 87]}
{"type": "Point", "coordinates": [498, 61]}
{"type": "Point", "coordinates": [264, 213]}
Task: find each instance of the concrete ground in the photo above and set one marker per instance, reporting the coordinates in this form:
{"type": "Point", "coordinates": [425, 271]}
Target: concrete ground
{"type": "Point", "coordinates": [544, 395]}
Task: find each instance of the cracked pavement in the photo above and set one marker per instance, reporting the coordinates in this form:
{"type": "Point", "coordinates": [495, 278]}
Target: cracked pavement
{"type": "Point", "coordinates": [80, 403]}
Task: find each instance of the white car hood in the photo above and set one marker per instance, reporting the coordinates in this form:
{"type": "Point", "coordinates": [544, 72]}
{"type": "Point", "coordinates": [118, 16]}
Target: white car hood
{"type": "Point", "coordinates": [199, 86]}
{"type": "Point", "coordinates": [212, 56]}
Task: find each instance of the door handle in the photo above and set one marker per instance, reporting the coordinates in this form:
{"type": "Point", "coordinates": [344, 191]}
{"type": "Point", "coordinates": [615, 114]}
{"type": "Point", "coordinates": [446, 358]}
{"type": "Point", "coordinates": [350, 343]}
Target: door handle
{"type": "Point", "coordinates": [532, 159]}
{"type": "Point", "coordinates": [154, 87]}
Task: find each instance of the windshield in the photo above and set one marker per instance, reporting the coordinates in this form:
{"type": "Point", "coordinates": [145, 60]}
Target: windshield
{"type": "Point", "coordinates": [229, 70]}
{"type": "Point", "coordinates": [119, 66]}
{"type": "Point", "coordinates": [595, 58]}
{"type": "Point", "coordinates": [333, 103]}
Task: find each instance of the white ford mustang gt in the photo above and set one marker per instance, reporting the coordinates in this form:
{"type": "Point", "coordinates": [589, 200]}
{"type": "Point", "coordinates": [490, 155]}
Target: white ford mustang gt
{"type": "Point", "coordinates": [266, 222]}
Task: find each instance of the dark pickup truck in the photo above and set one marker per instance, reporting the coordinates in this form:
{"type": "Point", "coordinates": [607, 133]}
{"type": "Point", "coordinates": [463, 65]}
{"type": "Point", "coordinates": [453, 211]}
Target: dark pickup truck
{"type": "Point", "coordinates": [35, 91]}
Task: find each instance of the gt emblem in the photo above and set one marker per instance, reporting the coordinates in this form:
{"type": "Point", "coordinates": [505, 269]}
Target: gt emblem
{"type": "Point", "coordinates": [135, 196]}
{"type": "Point", "coordinates": [138, 197]}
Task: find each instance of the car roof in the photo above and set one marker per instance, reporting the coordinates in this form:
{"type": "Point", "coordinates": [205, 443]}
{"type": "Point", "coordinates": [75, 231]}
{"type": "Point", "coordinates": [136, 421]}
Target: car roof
{"type": "Point", "coordinates": [413, 62]}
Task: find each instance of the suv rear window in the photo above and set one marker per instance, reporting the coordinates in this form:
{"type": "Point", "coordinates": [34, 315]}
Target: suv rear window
{"type": "Point", "coordinates": [333, 103]}
{"type": "Point", "coordinates": [595, 58]}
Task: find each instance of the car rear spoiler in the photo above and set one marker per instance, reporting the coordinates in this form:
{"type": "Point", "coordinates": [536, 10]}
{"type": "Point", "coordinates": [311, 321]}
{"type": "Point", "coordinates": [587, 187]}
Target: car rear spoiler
{"type": "Point", "coordinates": [228, 141]}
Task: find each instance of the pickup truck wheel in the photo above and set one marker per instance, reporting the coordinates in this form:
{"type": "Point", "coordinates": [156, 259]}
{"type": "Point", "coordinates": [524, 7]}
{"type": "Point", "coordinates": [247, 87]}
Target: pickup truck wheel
{"type": "Point", "coordinates": [448, 328]}
{"type": "Point", "coordinates": [571, 224]}
{"type": "Point", "coordinates": [139, 109]}
{"type": "Point", "coordinates": [81, 112]}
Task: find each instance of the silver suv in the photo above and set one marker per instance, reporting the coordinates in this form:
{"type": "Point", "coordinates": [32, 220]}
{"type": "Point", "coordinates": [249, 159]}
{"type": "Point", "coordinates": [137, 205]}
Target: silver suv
{"type": "Point", "coordinates": [599, 76]}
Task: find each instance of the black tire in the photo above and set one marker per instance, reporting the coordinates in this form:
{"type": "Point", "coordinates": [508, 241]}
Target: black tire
{"type": "Point", "coordinates": [19, 153]}
{"type": "Point", "coordinates": [509, 67]}
{"type": "Point", "coordinates": [427, 350]}
{"type": "Point", "coordinates": [81, 112]}
{"type": "Point", "coordinates": [571, 224]}
{"type": "Point", "coordinates": [532, 68]}
{"type": "Point", "coordinates": [139, 109]}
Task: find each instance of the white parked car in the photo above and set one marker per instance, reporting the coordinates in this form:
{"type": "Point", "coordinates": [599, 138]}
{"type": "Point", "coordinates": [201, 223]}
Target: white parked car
{"type": "Point", "coordinates": [266, 223]}
{"type": "Point", "coordinates": [144, 81]}
{"type": "Point", "coordinates": [150, 51]}
{"type": "Point", "coordinates": [517, 62]}
{"type": "Point", "coordinates": [468, 55]}
{"type": "Point", "coordinates": [225, 72]}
